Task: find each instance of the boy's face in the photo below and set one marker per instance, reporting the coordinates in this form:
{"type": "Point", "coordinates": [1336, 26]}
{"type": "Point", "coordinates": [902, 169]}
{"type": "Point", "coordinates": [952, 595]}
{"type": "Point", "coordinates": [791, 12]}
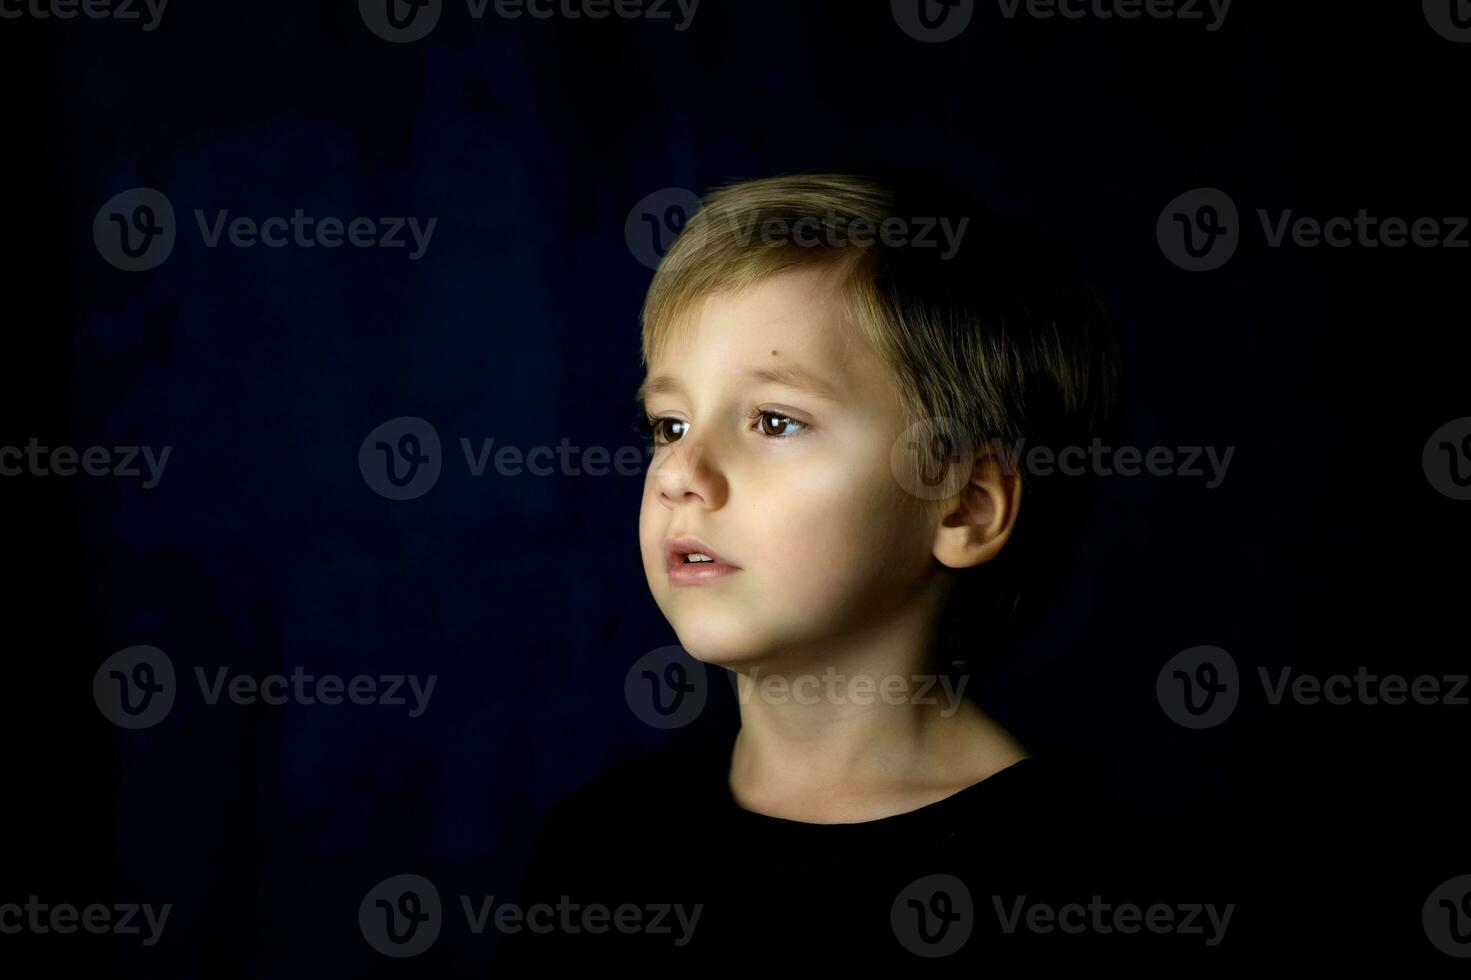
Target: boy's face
{"type": "Point", "coordinates": [802, 499]}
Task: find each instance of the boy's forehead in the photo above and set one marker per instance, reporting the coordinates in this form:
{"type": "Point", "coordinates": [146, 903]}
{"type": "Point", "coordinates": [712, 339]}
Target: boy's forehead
{"type": "Point", "coordinates": [794, 319]}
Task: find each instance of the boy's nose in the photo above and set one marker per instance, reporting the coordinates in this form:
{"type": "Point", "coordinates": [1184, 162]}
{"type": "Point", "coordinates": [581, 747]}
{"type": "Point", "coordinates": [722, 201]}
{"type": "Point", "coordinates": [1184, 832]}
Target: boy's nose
{"type": "Point", "coordinates": [688, 473]}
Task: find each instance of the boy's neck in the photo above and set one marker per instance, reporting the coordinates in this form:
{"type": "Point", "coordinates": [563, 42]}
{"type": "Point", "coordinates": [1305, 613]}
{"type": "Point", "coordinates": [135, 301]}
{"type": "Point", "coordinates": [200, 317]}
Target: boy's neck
{"type": "Point", "coordinates": [867, 772]}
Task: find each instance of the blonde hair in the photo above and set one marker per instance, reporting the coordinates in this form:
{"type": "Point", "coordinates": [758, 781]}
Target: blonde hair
{"type": "Point", "coordinates": [994, 338]}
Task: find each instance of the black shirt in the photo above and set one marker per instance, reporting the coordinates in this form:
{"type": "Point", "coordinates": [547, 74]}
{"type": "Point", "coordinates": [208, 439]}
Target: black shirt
{"type": "Point", "coordinates": [976, 879]}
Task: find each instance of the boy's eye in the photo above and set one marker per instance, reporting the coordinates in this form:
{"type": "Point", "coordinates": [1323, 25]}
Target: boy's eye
{"type": "Point", "coordinates": [666, 430]}
{"type": "Point", "coordinates": [782, 422]}
{"type": "Point", "coordinates": [662, 430]}
{"type": "Point", "coordinates": [652, 426]}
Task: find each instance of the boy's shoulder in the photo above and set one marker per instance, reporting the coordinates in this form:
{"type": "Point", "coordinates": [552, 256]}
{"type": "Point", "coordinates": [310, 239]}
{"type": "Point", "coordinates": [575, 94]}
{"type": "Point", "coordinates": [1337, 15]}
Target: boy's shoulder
{"type": "Point", "coordinates": [587, 836]}
{"type": "Point", "coordinates": [673, 774]}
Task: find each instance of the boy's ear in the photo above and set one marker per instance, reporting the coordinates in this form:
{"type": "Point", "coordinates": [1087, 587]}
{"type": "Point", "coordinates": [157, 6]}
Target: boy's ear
{"type": "Point", "coordinates": [977, 521]}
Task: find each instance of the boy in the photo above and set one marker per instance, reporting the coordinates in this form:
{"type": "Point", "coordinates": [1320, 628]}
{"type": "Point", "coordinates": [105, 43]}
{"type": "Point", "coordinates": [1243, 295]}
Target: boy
{"type": "Point", "coordinates": [834, 396]}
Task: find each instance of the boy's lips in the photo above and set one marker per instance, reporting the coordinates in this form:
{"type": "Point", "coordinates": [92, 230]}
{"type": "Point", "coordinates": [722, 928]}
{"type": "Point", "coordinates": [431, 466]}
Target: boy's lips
{"type": "Point", "coordinates": [682, 572]}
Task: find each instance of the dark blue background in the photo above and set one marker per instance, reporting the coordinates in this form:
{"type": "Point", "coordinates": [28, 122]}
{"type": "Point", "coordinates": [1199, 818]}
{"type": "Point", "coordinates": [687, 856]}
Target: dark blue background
{"type": "Point", "coordinates": [262, 547]}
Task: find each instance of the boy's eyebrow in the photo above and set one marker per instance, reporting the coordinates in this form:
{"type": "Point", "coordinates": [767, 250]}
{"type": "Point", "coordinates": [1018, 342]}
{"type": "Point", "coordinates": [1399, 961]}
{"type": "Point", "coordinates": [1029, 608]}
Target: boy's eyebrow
{"type": "Point", "coordinates": [787, 375]}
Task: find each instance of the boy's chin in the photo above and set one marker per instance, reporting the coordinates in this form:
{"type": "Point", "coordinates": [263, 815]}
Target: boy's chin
{"type": "Point", "coordinates": [719, 647]}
